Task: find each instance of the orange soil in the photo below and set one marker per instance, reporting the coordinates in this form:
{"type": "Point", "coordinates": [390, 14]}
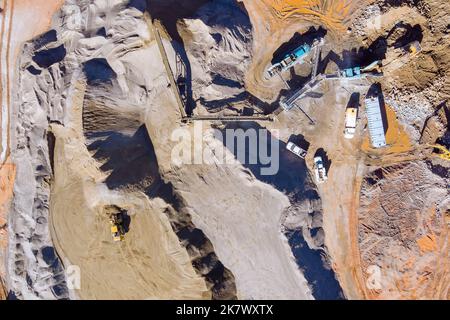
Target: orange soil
{"type": "Point", "coordinates": [396, 137]}
{"type": "Point", "coordinates": [332, 12]}
{"type": "Point", "coordinates": [427, 243]}
{"type": "Point", "coordinates": [7, 176]}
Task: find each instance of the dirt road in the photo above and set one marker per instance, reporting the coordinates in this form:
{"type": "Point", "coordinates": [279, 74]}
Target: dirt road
{"type": "Point", "coordinates": [338, 194]}
{"type": "Point", "coordinates": [5, 33]}
{"type": "Point", "coordinates": [13, 33]}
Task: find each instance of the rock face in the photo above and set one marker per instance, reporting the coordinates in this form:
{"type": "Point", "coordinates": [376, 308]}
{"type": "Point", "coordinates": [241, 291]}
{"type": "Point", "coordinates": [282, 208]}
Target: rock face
{"type": "Point", "coordinates": [218, 43]}
{"type": "Point", "coordinates": [435, 128]}
{"type": "Point", "coordinates": [403, 235]}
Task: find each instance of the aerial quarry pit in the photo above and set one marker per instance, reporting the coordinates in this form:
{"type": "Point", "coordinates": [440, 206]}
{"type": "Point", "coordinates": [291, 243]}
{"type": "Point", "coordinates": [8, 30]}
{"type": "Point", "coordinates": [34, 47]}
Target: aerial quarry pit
{"type": "Point", "coordinates": [128, 167]}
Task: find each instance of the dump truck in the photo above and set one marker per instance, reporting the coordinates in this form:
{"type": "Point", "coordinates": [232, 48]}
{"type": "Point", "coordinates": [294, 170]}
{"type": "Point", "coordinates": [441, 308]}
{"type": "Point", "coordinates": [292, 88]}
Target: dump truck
{"type": "Point", "coordinates": [295, 149]}
{"type": "Point", "coordinates": [117, 228]}
{"type": "Point", "coordinates": [351, 115]}
{"type": "Point", "coordinates": [289, 60]}
{"type": "Point", "coordinates": [320, 170]}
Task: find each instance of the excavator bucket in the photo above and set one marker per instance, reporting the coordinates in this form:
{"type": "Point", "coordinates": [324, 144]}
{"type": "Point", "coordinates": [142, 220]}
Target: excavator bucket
{"type": "Point", "coordinates": [116, 234]}
{"type": "Point", "coordinates": [415, 48]}
{"type": "Point", "coordinates": [441, 152]}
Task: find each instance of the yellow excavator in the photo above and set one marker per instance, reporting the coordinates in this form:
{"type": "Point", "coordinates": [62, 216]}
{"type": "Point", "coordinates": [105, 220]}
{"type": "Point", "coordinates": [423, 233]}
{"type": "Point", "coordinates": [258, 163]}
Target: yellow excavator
{"type": "Point", "coordinates": [414, 48]}
{"type": "Point", "coordinates": [441, 151]}
{"type": "Point", "coordinates": [402, 56]}
{"type": "Point", "coordinates": [117, 229]}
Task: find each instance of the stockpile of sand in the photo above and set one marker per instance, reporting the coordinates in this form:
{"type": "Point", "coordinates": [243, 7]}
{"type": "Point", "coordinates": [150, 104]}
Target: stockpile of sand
{"type": "Point", "coordinates": [219, 50]}
{"type": "Point", "coordinates": [149, 264]}
{"type": "Point", "coordinates": [56, 170]}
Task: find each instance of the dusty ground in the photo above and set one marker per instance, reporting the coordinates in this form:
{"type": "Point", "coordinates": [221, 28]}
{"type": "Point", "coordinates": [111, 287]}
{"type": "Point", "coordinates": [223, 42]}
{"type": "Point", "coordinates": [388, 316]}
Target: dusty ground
{"type": "Point", "coordinates": [345, 167]}
{"type": "Point", "coordinates": [405, 234]}
{"type": "Point", "coordinates": [420, 72]}
{"type": "Point", "coordinates": [218, 230]}
{"type": "Point", "coordinates": [148, 265]}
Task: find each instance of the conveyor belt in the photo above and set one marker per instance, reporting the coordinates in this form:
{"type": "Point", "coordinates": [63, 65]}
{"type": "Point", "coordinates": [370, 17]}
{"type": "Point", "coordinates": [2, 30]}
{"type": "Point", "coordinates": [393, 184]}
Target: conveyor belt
{"type": "Point", "coordinates": [169, 72]}
{"type": "Point", "coordinates": [228, 118]}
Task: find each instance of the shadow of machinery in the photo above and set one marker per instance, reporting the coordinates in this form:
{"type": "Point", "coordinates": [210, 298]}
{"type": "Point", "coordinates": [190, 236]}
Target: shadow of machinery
{"type": "Point", "coordinates": [363, 56]}
{"type": "Point", "coordinates": [126, 220]}
{"type": "Point", "coordinates": [297, 40]}
{"type": "Point", "coordinates": [354, 101]}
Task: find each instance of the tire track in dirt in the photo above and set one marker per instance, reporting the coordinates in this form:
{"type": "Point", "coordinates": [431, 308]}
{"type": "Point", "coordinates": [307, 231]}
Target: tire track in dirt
{"type": "Point", "coordinates": [7, 19]}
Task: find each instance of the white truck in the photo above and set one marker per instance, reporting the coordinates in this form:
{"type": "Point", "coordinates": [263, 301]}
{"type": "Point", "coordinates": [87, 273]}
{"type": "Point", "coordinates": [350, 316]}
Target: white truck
{"type": "Point", "coordinates": [351, 115]}
{"type": "Point", "coordinates": [295, 149]}
{"type": "Point", "coordinates": [320, 170]}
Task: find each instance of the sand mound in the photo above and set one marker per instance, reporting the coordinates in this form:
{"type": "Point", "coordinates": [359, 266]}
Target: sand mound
{"type": "Point", "coordinates": [219, 50]}
{"type": "Point", "coordinates": [57, 60]}
{"type": "Point", "coordinates": [149, 264]}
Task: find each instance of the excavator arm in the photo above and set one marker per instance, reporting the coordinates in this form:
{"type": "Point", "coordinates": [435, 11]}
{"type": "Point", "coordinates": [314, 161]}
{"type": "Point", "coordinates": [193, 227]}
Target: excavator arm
{"type": "Point", "coordinates": [441, 152]}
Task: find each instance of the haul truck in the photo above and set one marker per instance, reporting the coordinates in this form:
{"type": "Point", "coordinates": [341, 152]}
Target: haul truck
{"type": "Point", "coordinates": [351, 115]}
